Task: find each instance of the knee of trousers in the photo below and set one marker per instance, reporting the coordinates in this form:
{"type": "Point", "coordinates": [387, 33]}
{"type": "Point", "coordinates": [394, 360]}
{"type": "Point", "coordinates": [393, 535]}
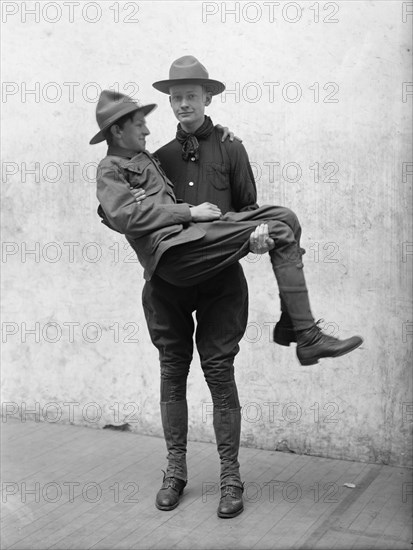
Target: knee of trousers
{"type": "Point", "coordinates": [174, 372]}
{"type": "Point", "coordinates": [218, 369]}
{"type": "Point", "coordinates": [291, 219]}
{"type": "Point", "coordinates": [221, 380]}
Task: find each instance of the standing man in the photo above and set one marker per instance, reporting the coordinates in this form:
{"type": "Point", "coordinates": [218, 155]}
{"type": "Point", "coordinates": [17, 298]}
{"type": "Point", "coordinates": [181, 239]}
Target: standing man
{"type": "Point", "coordinates": [203, 169]}
{"type": "Point", "coordinates": [178, 268]}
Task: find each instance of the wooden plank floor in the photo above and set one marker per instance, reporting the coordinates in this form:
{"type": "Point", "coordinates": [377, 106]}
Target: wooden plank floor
{"type": "Point", "coordinates": [71, 487]}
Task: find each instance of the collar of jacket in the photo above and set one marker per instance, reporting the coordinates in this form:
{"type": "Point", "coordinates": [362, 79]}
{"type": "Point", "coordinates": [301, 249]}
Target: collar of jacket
{"type": "Point", "coordinates": [116, 151]}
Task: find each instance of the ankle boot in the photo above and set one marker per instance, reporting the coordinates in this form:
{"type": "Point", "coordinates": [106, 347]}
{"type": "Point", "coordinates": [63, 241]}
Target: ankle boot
{"type": "Point", "coordinates": [174, 415]}
{"type": "Point", "coordinates": [231, 504]}
{"type": "Point", "coordinates": [168, 495]}
{"type": "Point", "coordinates": [312, 345]}
{"type": "Point", "coordinates": [227, 426]}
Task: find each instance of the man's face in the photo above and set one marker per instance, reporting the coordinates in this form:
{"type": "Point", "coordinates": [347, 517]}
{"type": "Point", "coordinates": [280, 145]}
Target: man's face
{"type": "Point", "coordinates": [188, 103]}
{"type": "Point", "coordinates": [133, 134]}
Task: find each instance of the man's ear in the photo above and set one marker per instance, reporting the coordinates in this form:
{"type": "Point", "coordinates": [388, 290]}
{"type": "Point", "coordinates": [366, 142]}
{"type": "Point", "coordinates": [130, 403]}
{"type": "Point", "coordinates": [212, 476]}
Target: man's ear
{"type": "Point", "coordinates": [115, 131]}
{"type": "Point", "coordinates": [208, 99]}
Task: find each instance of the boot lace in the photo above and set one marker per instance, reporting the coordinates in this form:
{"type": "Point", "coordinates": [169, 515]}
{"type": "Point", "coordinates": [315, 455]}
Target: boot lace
{"type": "Point", "coordinates": [231, 490]}
{"type": "Point", "coordinates": [169, 482]}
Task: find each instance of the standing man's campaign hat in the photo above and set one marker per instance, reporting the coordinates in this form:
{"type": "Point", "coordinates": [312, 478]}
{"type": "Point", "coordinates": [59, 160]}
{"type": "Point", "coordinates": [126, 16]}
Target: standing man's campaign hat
{"type": "Point", "coordinates": [111, 107]}
{"type": "Point", "coordinates": [188, 70]}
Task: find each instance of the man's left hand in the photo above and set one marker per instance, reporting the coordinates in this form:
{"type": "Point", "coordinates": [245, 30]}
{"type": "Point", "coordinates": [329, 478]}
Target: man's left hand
{"type": "Point", "coordinates": [226, 133]}
{"type": "Point", "coordinates": [138, 194]}
{"type": "Point", "coordinates": [260, 241]}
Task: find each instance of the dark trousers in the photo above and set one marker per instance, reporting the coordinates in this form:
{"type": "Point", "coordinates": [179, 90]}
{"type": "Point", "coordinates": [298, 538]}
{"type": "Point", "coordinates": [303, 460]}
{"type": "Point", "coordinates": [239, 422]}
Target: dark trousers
{"type": "Point", "coordinates": [221, 306]}
{"type": "Point", "coordinates": [227, 241]}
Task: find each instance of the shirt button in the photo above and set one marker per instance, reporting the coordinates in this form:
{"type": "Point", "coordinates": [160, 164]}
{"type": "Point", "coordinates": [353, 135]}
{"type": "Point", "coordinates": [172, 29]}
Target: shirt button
{"type": "Point", "coordinates": [191, 184]}
{"type": "Point", "coordinates": [193, 158]}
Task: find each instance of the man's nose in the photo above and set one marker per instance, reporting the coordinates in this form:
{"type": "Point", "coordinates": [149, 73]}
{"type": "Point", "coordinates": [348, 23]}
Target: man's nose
{"type": "Point", "coordinates": [184, 102]}
{"type": "Point", "coordinates": [146, 131]}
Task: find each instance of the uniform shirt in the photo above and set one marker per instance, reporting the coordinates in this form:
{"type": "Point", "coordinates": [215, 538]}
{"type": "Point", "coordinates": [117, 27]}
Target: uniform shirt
{"type": "Point", "coordinates": [152, 226]}
{"type": "Point", "coordinates": [222, 175]}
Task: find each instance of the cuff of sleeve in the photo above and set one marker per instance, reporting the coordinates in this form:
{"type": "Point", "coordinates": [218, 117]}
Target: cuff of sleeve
{"type": "Point", "coordinates": [184, 213]}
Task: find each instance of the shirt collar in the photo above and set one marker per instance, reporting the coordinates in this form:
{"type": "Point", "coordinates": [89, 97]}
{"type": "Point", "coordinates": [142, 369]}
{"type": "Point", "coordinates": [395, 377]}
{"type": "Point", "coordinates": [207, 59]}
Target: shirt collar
{"type": "Point", "coordinates": [117, 151]}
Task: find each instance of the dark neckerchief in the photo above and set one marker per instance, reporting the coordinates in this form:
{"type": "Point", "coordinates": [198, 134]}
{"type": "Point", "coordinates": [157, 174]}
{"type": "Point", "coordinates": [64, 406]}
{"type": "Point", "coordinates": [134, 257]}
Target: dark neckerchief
{"type": "Point", "coordinates": [189, 142]}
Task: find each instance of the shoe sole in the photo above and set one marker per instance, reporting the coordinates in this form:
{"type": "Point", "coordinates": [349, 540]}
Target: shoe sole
{"type": "Point", "coordinates": [282, 342]}
{"type": "Point", "coordinates": [314, 360]}
{"type": "Point", "coordinates": [229, 516]}
{"type": "Point", "coordinates": [167, 508]}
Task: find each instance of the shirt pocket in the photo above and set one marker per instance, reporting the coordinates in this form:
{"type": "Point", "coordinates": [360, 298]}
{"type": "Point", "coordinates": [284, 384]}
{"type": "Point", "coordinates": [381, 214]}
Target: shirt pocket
{"type": "Point", "coordinates": [217, 174]}
{"type": "Point", "coordinates": [143, 175]}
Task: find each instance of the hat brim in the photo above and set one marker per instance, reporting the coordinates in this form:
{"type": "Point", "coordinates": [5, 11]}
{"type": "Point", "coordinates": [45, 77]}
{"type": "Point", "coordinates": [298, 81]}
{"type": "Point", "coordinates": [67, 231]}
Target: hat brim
{"type": "Point", "coordinates": [129, 108]}
{"type": "Point", "coordinates": [214, 86]}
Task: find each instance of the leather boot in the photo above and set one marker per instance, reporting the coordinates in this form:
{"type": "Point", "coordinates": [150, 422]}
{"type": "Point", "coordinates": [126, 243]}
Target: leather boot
{"type": "Point", "coordinates": [227, 426]}
{"type": "Point", "coordinates": [294, 293]}
{"type": "Point", "coordinates": [174, 415]}
{"type": "Point", "coordinates": [312, 345]}
{"type": "Point", "coordinates": [168, 495]}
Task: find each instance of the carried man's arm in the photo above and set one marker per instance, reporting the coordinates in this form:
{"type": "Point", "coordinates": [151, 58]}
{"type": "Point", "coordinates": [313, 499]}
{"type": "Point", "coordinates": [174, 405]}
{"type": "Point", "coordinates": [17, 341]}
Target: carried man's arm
{"type": "Point", "coordinates": [121, 212]}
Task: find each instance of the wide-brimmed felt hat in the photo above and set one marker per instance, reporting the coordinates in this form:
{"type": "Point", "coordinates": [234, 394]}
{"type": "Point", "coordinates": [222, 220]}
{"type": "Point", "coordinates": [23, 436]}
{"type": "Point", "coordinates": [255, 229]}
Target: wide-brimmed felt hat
{"type": "Point", "coordinates": [111, 107]}
{"type": "Point", "coordinates": [188, 70]}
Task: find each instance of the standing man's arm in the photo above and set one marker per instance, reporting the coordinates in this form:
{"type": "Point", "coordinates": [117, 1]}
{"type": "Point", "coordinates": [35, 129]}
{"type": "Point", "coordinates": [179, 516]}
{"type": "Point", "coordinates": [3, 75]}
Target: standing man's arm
{"type": "Point", "coordinates": [243, 188]}
{"type": "Point", "coordinates": [244, 192]}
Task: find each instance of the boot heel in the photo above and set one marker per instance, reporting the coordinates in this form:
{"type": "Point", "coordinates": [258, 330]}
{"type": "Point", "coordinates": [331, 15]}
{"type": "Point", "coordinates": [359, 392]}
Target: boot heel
{"type": "Point", "coordinates": [280, 342]}
{"type": "Point", "coordinates": [308, 362]}
{"type": "Point", "coordinates": [283, 336]}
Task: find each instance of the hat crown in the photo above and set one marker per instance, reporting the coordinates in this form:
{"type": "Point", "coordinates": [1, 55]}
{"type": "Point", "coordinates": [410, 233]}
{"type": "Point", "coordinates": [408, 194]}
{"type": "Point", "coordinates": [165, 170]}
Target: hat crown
{"type": "Point", "coordinates": [187, 67]}
{"type": "Point", "coordinates": [188, 70]}
{"type": "Point", "coordinates": [112, 104]}
{"type": "Point", "coordinates": [111, 107]}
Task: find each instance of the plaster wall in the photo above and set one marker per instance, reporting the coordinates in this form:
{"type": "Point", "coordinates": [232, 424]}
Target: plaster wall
{"type": "Point", "coordinates": [324, 111]}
